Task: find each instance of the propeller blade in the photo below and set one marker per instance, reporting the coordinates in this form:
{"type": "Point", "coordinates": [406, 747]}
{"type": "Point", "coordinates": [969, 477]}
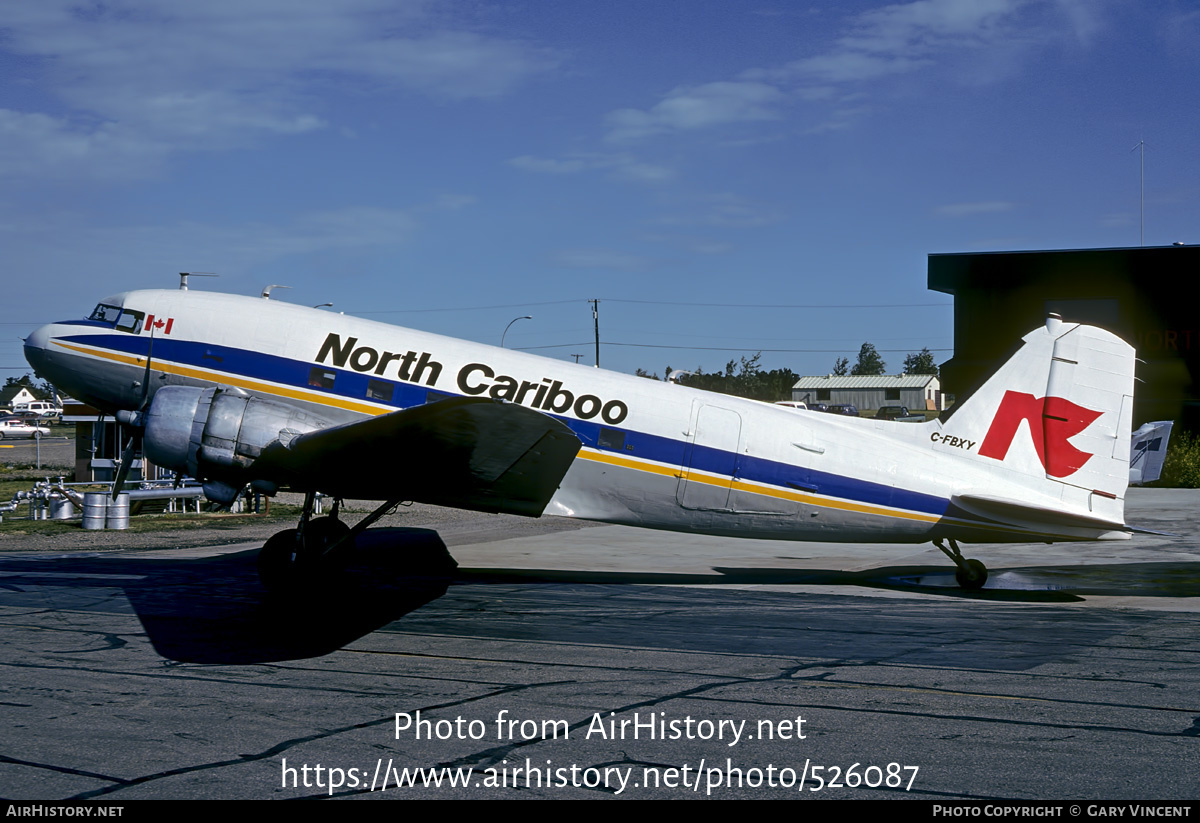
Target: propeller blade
{"type": "Point", "coordinates": [145, 401]}
{"type": "Point", "coordinates": [126, 464]}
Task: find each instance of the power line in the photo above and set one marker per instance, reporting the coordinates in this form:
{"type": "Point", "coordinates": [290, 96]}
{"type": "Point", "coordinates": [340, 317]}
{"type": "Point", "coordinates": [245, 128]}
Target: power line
{"type": "Point", "coordinates": [784, 305]}
{"type": "Point", "coordinates": [790, 306]}
{"type": "Point", "coordinates": [816, 306]}
{"type": "Point", "coordinates": [712, 348]}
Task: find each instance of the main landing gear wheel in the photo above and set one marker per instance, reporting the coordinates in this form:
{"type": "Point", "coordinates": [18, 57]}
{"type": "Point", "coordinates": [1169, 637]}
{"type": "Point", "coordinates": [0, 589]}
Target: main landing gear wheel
{"type": "Point", "coordinates": [970, 574]}
{"type": "Point", "coordinates": [299, 557]}
{"type": "Point", "coordinates": [278, 568]}
{"type": "Point", "coordinates": [323, 533]}
{"type": "Point", "coordinates": [288, 560]}
{"type": "Point", "coordinates": [973, 576]}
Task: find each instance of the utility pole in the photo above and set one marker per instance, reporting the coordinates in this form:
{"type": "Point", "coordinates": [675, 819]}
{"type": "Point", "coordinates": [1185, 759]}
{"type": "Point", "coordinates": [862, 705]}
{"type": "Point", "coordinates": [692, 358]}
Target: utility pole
{"type": "Point", "coordinates": [596, 323]}
{"type": "Point", "coordinates": [1141, 146]}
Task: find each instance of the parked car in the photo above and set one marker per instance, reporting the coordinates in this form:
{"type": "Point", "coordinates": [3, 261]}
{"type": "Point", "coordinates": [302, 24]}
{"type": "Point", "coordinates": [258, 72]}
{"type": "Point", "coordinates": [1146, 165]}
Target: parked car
{"type": "Point", "coordinates": [14, 428]}
{"type": "Point", "coordinates": [891, 412]}
{"type": "Point", "coordinates": [41, 408]}
{"type": "Point", "coordinates": [843, 408]}
{"type": "Point", "coordinates": [821, 407]}
{"type": "Point", "coordinates": [792, 404]}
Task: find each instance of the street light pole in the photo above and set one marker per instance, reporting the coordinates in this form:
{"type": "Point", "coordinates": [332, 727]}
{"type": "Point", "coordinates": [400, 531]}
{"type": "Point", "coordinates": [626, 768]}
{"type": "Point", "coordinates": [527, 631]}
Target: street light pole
{"type": "Point", "coordinates": [509, 326]}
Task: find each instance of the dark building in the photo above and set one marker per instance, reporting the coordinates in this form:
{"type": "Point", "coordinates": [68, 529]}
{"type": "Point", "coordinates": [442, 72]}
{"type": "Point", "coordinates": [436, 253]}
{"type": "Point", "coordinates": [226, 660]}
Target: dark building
{"type": "Point", "coordinates": [1141, 294]}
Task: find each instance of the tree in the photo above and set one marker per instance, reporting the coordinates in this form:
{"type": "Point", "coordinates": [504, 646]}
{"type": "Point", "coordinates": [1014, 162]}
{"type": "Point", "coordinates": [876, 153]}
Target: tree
{"type": "Point", "coordinates": [743, 378]}
{"type": "Point", "coordinates": [39, 390]}
{"type": "Point", "coordinates": [869, 361]}
{"type": "Point", "coordinates": [921, 363]}
{"type": "Point", "coordinates": [841, 367]}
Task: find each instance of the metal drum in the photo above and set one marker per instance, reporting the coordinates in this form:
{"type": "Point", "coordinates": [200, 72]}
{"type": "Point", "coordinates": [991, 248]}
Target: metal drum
{"type": "Point", "coordinates": [118, 512]}
{"type": "Point", "coordinates": [95, 509]}
{"type": "Point", "coordinates": [61, 507]}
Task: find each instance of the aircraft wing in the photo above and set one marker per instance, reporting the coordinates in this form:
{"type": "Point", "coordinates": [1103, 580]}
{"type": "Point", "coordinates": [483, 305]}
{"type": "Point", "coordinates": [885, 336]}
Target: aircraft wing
{"type": "Point", "coordinates": [464, 452]}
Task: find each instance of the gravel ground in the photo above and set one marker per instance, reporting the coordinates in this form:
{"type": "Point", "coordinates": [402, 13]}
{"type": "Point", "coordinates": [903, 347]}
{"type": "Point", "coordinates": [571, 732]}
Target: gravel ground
{"type": "Point", "coordinates": [455, 526]}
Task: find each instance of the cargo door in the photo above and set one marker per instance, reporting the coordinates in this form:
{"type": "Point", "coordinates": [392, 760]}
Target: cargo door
{"type": "Point", "coordinates": [711, 461]}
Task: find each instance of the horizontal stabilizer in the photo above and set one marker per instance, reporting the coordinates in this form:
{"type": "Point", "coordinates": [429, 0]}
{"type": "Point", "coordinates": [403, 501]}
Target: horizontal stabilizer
{"type": "Point", "coordinates": [1156, 532]}
{"type": "Point", "coordinates": [1038, 519]}
{"type": "Point", "coordinates": [469, 453]}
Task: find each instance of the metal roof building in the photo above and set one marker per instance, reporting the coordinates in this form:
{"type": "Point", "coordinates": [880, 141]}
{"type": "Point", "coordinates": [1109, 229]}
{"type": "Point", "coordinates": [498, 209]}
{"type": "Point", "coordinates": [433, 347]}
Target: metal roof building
{"type": "Point", "coordinates": [919, 392]}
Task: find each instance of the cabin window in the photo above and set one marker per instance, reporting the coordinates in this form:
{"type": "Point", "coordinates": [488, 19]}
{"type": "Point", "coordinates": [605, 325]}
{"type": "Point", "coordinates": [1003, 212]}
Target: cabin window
{"type": "Point", "coordinates": [380, 390]}
{"type": "Point", "coordinates": [822, 394]}
{"type": "Point", "coordinates": [435, 396]}
{"type": "Point", "coordinates": [611, 439]}
{"type": "Point", "coordinates": [892, 394]}
{"type": "Point", "coordinates": [321, 378]}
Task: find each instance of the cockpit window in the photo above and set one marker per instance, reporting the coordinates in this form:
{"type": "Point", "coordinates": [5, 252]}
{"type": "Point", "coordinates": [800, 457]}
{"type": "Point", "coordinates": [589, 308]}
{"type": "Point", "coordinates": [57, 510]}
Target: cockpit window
{"type": "Point", "coordinates": [106, 314]}
{"type": "Point", "coordinates": [130, 321]}
{"type": "Point", "coordinates": [119, 318]}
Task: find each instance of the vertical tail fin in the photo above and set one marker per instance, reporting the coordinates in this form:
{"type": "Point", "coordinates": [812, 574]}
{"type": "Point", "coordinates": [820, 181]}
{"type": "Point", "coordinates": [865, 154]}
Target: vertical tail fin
{"type": "Point", "coordinates": [1056, 417]}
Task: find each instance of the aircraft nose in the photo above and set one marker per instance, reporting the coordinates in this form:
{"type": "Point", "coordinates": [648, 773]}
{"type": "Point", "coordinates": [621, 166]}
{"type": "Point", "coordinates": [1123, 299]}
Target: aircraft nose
{"type": "Point", "coordinates": [36, 345]}
{"type": "Point", "coordinates": [39, 349]}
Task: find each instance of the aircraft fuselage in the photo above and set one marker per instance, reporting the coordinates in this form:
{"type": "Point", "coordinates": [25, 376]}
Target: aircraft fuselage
{"type": "Point", "coordinates": [653, 454]}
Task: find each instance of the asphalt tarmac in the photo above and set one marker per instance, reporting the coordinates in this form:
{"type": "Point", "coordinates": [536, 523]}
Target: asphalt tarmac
{"type": "Point", "coordinates": [605, 661]}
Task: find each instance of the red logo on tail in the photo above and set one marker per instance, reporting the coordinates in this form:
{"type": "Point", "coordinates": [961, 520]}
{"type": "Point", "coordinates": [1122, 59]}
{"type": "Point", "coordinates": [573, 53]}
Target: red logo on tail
{"type": "Point", "coordinates": [1052, 421]}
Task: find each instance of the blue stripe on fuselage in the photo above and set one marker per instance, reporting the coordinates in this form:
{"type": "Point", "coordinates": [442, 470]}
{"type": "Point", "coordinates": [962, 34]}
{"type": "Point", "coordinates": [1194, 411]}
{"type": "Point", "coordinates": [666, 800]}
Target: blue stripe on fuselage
{"type": "Point", "coordinates": [352, 385]}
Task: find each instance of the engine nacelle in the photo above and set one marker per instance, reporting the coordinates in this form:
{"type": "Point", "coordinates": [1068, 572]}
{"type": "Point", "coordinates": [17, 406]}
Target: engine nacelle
{"type": "Point", "coordinates": [215, 434]}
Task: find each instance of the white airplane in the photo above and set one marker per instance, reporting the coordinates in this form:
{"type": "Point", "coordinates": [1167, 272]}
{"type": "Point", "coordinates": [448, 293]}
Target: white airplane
{"type": "Point", "coordinates": [238, 391]}
{"type": "Point", "coordinates": [1148, 451]}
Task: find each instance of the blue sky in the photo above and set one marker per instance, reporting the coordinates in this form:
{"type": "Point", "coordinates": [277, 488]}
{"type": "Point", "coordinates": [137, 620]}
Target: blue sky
{"type": "Point", "coordinates": [724, 177]}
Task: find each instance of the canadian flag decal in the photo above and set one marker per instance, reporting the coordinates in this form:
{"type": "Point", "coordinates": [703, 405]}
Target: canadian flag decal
{"type": "Point", "coordinates": [160, 326]}
{"type": "Point", "coordinates": [1052, 422]}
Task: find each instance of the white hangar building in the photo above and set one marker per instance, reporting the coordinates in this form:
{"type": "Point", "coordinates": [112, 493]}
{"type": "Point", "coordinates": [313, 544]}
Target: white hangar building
{"type": "Point", "coordinates": [919, 392]}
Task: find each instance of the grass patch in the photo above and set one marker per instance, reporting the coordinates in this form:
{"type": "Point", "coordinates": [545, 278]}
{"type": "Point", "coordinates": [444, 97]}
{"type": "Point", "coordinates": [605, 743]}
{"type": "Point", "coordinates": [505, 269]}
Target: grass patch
{"type": "Point", "coordinates": [153, 519]}
{"type": "Point", "coordinates": [16, 526]}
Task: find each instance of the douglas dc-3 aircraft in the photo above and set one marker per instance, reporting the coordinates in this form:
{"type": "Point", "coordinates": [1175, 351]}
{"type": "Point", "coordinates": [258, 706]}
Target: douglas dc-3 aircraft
{"type": "Point", "coordinates": [238, 391]}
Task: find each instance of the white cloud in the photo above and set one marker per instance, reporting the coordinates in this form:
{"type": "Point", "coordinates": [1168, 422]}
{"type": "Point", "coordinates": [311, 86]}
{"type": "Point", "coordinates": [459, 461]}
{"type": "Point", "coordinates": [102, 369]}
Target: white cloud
{"type": "Point", "coordinates": [725, 210]}
{"type": "Point", "coordinates": [151, 77]}
{"type": "Point", "coordinates": [692, 243]}
{"type": "Point", "coordinates": [904, 37]}
{"type": "Point", "coordinates": [226, 248]}
{"type": "Point", "coordinates": [980, 207]}
{"type": "Point", "coordinates": [621, 165]}
{"type": "Point", "coordinates": [694, 107]}
{"type": "Point", "coordinates": [45, 146]}
{"type": "Point", "coordinates": [600, 259]}
{"type": "Point", "coordinates": [894, 40]}
{"type": "Point", "coordinates": [548, 165]}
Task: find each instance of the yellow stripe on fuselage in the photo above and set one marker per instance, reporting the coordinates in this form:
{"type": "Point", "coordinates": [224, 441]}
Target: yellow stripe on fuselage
{"type": "Point", "coordinates": [584, 453]}
{"type": "Point", "coordinates": [229, 380]}
{"type": "Point", "coordinates": [767, 491]}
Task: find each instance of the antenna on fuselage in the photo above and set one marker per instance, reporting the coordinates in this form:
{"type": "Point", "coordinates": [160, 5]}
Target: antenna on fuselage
{"type": "Point", "coordinates": [266, 293]}
{"type": "Point", "coordinates": [184, 275]}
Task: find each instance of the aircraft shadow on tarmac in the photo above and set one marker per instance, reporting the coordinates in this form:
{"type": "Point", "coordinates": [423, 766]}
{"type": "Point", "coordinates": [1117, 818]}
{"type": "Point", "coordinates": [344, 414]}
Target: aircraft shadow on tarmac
{"type": "Point", "coordinates": [1032, 584]}
{"type": "Point", "coordinates": [214, 610]}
